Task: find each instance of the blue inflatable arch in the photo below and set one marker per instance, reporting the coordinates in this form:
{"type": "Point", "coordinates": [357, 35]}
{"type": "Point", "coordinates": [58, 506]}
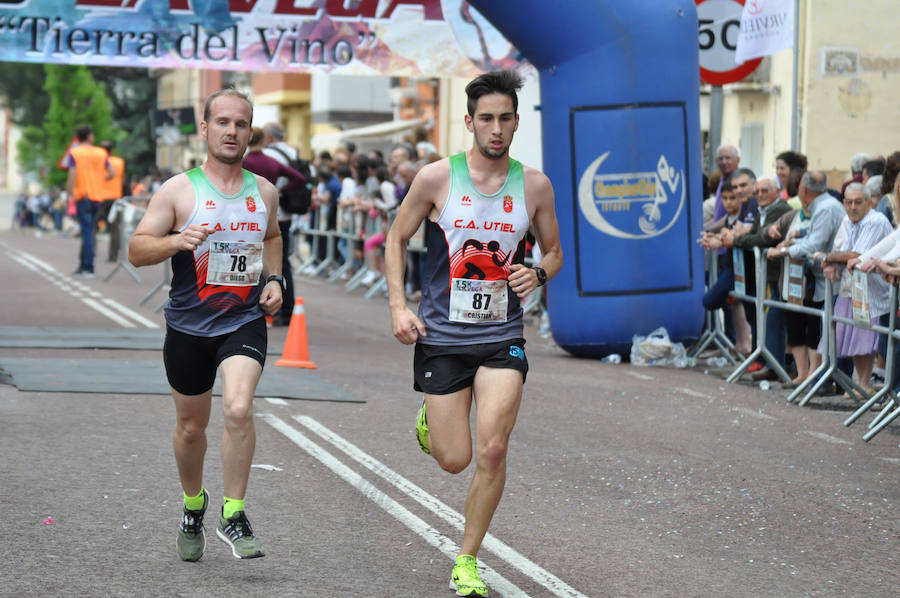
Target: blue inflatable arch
{"type": "Point", "coordinates": [621, 144]}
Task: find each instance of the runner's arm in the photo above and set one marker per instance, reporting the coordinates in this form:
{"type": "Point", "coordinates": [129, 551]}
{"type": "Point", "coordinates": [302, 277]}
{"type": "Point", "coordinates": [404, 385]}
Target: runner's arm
{"type": "Point", "coordinates": [416, 206]}
{"type": "Point", "coordinates": [152, 242]}
{"type": "Point", "coordinates": [271, 298]}
{"type": "Point", "coordinates": [538, 189]}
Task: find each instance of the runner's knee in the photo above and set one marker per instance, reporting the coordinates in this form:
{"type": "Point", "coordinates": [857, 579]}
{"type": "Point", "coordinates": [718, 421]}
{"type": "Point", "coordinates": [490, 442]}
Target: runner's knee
{"type": "Point", "coordinates": [238, 413]}
{"type": "Point", "coordinates": [493, 454]}
{"type": "Point", "coordinates": [190, 430]}
{"type": "Point", "coordinates": [453, 462]}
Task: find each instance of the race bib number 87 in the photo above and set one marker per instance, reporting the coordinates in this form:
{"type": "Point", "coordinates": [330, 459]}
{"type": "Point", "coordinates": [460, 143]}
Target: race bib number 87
{"type": "Point", "coordinates": [478, 300]}
{"type": "Point", "coordinates": [237, 263]}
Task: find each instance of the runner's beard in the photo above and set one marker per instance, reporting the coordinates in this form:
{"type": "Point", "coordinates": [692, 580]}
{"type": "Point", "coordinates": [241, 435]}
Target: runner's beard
{"type": "Point", "coordinates": [488, 152]}
{"type": "Point", "coordinates": [224, 158]}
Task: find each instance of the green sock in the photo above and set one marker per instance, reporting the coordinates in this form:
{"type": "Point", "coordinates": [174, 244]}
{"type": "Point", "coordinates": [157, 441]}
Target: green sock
{"type": "Point", "coordinates": [232, 506]}
{"type": "Point", "coordinates": [194, 503]}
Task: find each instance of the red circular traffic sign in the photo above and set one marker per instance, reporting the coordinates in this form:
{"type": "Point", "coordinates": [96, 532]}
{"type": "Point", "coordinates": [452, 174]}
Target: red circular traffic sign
{"type": "Point", "coordinates": [719, 22]}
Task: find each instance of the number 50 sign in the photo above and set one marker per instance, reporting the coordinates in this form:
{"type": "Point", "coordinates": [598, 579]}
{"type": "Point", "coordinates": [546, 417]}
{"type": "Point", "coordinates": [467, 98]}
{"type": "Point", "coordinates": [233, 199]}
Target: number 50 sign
{"type": "Point", "coordinates": [719, 22]}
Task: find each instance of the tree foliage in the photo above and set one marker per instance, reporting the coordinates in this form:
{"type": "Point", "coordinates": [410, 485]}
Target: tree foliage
{"type": "Point", "coordinates": [22, 87]}
{"type": "Point", "coordinates": [75, 99]}
{"type": "Point", "coordinates": [133, 95]}
{"type": "Point", "coordinates": [48, 102]}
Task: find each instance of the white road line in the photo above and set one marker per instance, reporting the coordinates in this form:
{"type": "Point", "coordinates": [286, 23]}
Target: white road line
{"type": "Point", "coordinates": [828, 437]}
{"type": "Point", "coordinates": [497, 582]}
{"type": "Point", "coordinates": [893, 460]}
{"type": "Point", "coordinates": [753, 413]}
{"type": "Point", "coordinates": [81, 291]}
{"type": "Point", "coordinates": [130, 313]}
{"type": "Point", "coordinates": [277, 401]}
{"type": "Point", "coordinates": [37, 261]}
{"type": "Point", "coordinates": [108, 313]}
{"type": "Point", "coordinates": [552, 583]}
{"type": "Point", "coordinates": [692, 392]}
{"type": "Point", "coordinates": [638, 376]}
{"type": "Point", "coordinates": [24, 262]}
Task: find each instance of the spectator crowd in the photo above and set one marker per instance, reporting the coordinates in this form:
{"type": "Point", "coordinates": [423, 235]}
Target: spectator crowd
{"type": "Point", "coordinates": [807, 231]}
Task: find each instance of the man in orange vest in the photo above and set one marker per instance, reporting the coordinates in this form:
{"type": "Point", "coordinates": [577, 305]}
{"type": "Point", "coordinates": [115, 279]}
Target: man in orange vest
{"type": "Point", "coordinates": [113, 189]}
{"type": "Point", "coordinates": [89, 168]}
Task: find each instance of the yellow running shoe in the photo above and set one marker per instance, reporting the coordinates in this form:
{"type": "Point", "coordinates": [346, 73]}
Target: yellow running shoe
{"type": "Point", "coordinates": [422, 430]}
{"type": "Point", "coordinates": [464, 578]}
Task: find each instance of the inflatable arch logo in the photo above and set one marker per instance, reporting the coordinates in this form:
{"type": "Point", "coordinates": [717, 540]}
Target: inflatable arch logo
{"type": "Point", "coordinates": [633, 205]}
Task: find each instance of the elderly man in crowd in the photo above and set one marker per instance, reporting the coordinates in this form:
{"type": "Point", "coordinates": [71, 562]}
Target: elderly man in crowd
{"type": "Point", "coordinates": [727, 160]}
{"type": "Point", "coordinates": [771, 208]}
{"type": "Point", "coordinates": [857, 162]}
{"type": "Point", "coordinates": [861, 230]}
{"type": "Point", "coordinates": [825, 217]}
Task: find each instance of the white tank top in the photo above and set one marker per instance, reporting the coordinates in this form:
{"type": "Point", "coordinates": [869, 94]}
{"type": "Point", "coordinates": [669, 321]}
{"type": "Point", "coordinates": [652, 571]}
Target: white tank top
{"type": "Point", "coordinates": [216, 288]}
{"type": "Point", "coordinates": [471, 248]}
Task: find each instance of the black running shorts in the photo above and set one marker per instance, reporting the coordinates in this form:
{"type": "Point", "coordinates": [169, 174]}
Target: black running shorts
{"type": "Point", "coordinates": [192, 361]}
{"type": "Point", "coordinates": [441, 370]}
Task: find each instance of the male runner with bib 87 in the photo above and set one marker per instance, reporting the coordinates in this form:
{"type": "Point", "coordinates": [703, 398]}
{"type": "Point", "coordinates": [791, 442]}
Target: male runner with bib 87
{"type": "Point", "coordinates": [479, 205]}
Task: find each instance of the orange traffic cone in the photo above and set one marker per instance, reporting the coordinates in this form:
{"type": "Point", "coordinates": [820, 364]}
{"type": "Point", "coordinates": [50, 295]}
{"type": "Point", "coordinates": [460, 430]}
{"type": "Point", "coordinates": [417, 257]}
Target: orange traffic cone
{"type": "Point", "coordinates": [296, 347]}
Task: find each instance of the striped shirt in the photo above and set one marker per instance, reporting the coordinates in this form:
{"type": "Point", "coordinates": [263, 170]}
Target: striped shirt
{"type": "Point", "coordinates": [888, 249]}
{"type": "Point", "coordinates": [859, 237]}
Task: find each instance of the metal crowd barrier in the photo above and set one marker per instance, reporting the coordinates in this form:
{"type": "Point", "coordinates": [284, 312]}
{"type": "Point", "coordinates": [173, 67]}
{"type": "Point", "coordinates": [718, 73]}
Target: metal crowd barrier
{"type": "Point", "coordinates": [713, 329]}
{"type": "Point", "coordinates": [759, 301]}
{"type": "Point", "coordinates": [829, 367]}
{"type": "Point", "coordinates": [349, 226]}
{"type": "Point", "coordinates": [127, 212]}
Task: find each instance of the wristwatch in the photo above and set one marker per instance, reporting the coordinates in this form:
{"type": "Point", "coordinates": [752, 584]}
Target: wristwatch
{"type": "Point", "coordinates": [784, 250]}
{"type": "Point", "coordinates": [541, 275]}
{"type": "Point", "coordinates": [280, 279]}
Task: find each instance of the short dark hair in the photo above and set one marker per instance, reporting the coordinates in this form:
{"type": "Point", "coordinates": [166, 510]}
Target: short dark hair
{"type": "Point", "coordinates": [343, 171]}
{"type": "Point", "coordinates": [726, 185]}
{"type": "Point", "coordinates": [792, 186]}
{"type": "Point", "coordinates": [874, 167]}
{"type": "Point", "coordinates": [108, 145]}
{"type": "Point", "coordinates": [83, 132]}
{"type": "Point", "coordinates": [256, 136]}
{"type": "Point", "coordinates": [891, 169]}
{"type": "Point", "coordinates": [744, 172]}
{"type": "Point", "coordinates": [228, 91]}
{"type": "Point", "coordinates": [505, 82]}
{"type": "Point", "coordinates": [793, 159]}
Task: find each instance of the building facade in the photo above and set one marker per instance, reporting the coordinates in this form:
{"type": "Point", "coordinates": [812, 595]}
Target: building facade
{"type": "Point", "coordinates": [848, 82]}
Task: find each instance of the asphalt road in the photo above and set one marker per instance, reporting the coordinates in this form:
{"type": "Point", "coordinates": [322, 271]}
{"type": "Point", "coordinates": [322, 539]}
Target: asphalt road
{"type": "Point", "coordinates": [623, 481]}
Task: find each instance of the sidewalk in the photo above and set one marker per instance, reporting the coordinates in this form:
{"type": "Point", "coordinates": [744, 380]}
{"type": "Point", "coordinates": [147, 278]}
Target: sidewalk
{"type": "Point", "coordinates": [7, 209]}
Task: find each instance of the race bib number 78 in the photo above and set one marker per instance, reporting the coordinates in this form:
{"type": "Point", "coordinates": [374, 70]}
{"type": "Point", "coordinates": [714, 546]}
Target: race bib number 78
{"type": "Point", "coordinates": [234, 263]}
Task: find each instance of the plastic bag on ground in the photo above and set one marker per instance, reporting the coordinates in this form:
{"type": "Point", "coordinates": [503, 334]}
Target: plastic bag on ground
{"type": "Point", "coordinates": [656, 349]}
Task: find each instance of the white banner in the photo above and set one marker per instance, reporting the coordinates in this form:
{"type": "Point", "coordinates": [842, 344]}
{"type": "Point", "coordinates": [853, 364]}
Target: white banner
{"type": "Point", "coordinates": [767, 26]}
